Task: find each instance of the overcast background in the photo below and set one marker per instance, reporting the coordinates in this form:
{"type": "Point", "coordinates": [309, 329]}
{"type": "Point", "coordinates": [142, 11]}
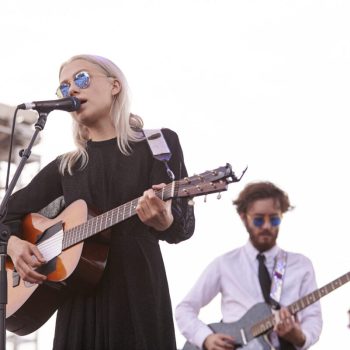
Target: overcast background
{"type": "Point", "coordinates": [258, 83]}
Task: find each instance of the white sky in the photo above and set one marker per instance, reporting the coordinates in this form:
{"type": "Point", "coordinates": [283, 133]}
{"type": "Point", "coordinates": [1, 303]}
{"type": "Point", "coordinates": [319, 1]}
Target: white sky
{"type": "Point", "coordinates": [262, 83]}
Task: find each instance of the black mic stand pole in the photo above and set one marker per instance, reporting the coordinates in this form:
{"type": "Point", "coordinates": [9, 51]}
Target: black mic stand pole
{"type": "Point", "coordinates": [5, 232]}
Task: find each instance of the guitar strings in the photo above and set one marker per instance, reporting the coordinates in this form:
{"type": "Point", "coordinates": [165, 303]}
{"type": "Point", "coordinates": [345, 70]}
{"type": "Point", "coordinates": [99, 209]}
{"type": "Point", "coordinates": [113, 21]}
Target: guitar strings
{"type": "Point", "coordinates": [49, 247]}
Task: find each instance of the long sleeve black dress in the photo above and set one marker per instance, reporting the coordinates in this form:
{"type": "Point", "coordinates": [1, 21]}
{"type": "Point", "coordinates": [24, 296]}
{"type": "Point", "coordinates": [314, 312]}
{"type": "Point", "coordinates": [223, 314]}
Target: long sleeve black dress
{"type": "Point", "coordinates": [130, 309]}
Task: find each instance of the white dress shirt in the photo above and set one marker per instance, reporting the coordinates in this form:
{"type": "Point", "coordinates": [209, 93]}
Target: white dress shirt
{"type": "Point", "coordinates": [235, 276]}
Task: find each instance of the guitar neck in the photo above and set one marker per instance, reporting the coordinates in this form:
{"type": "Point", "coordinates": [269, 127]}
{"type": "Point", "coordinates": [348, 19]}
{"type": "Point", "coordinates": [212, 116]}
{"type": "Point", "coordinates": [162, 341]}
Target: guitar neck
{"type": "Point", "coordinates": [110, 218]}
{"type": "Point", "coordinates": [269, 322]}
{"type": "Point", "coordinates": [211, 181]}
{"type": "Point", "coordinates": [318, 294]}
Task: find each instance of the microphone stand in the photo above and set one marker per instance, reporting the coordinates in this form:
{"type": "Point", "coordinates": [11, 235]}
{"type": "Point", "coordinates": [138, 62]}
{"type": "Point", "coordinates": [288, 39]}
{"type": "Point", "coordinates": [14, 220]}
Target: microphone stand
{"type": "Point", "coordinates": [5, 232]}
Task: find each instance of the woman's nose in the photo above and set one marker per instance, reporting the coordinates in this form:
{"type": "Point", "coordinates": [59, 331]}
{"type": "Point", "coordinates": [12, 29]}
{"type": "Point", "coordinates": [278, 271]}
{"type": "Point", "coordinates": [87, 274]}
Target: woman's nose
{"type": "Point", "coordinates": [73, 89]}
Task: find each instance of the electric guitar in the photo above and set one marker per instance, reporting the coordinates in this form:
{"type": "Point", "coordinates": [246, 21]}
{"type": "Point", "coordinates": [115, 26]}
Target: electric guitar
{"type": "Point", "coordinates": [76, 256]}
{"type": "Point", "coordinates": [250, 331]}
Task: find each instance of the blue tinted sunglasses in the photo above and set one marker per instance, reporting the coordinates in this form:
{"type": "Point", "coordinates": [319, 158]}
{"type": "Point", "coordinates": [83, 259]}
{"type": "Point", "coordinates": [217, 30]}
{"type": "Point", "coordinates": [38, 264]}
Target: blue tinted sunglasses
{"type": "Point", "coordinates": [81, 80]}
{"type": "Point", "coordinates": [259, 220]}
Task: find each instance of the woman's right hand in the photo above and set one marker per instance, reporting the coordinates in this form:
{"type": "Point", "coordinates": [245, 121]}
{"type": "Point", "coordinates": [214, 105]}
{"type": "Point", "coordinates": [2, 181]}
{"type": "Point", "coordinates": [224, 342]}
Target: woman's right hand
{"type": "Point", "coordinates": [26, 257]}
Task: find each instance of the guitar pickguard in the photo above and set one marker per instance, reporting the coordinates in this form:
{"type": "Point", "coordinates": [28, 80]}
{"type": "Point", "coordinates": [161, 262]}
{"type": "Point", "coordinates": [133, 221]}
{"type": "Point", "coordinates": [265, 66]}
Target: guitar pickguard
{"type": "Point", "coordinates": [49, 232]}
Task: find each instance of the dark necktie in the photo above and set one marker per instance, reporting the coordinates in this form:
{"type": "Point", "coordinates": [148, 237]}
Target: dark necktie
{"type": "Point", "coordinates": [264, 278]}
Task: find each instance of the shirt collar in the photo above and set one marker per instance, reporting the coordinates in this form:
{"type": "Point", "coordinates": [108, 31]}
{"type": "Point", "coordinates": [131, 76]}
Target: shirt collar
{"type": "Point", "coordinates": [253, 252]}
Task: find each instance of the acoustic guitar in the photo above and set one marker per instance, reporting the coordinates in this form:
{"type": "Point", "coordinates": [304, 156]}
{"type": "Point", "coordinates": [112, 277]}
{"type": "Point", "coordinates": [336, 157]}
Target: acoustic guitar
{"type": "Point", "coordinates": [75, 246]}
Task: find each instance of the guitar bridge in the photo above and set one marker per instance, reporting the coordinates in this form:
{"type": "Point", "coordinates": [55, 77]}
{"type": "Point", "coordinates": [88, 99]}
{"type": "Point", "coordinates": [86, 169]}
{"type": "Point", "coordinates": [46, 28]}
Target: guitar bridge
{"type": "Point", "coordinates": [243, 336]}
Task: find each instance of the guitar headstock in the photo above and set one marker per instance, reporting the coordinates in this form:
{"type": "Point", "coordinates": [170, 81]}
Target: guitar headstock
{"type": "Point", "coordinates": [212, 181]}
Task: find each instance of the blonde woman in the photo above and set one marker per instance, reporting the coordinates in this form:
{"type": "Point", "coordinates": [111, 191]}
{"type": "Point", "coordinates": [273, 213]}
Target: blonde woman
{"type": "Point", "coordinates": [129, 308]}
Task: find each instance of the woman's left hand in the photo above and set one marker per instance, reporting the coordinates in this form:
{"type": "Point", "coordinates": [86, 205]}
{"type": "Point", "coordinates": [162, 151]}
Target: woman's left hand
{"type": "Point", "coordinates": [154, 212]}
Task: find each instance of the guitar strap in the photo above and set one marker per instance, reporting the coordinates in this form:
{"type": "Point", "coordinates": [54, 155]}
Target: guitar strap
{"type": "Point", "coordinates": [159, 148]}
{"type": "Point", "coordinates": [278, 277]}
{"type": "Point", "coordinates": [275, 297]}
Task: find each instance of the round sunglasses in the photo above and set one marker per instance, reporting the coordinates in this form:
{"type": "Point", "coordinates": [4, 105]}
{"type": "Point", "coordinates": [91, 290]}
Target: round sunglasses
{"type": "Point", "coordinates": [259, 220]}
{"type": "Point", "coordinates": [82, 80]}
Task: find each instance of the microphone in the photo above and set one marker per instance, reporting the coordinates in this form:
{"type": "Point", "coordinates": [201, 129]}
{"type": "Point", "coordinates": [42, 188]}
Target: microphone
{"type": "Point", "coordinates": [68, 104]}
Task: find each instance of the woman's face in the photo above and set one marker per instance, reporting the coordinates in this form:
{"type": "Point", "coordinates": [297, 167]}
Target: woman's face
{"type": "Point", "coordinates": [96, 99]}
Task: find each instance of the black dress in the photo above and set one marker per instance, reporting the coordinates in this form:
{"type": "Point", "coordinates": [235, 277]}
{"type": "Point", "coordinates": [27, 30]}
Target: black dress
{"type": "Point", "coordinates": [130, 309]}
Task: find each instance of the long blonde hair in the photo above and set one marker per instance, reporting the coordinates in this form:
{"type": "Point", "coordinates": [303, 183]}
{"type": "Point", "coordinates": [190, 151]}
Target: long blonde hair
{"type": "Point", "coordinates": [126, 124]}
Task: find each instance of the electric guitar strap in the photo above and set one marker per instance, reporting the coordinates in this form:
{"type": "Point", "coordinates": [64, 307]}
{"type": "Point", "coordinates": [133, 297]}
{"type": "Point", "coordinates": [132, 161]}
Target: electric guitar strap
{"type": "Point", "coordinates": [278, 277]}
{"type": "Point", "coordinates": [275, 297]}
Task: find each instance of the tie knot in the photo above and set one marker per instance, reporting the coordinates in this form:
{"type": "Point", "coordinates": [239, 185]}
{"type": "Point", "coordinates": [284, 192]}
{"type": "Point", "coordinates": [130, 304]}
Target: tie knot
{"type": "Point", "coordinates": [261, 257]}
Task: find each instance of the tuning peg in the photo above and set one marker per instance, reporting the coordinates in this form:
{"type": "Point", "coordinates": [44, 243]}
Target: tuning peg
{"type": "Point", "coordinates": [219, 195]}
{"type": "Point", "coordinates": [205, 199]}
{"type": "Point", "coordinates": [191, 202]}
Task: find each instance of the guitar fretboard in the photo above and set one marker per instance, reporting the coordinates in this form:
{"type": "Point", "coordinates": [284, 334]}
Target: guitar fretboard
{"type": "Point", "coordinates": [112, 217]}
{"type": "Point", "coordinates": [211, 181]}
{"type": "Point", "coordinates": [269, 322]}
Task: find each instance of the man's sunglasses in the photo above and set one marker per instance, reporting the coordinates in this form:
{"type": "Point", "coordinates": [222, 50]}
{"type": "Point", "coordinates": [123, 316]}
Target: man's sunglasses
{"type": "Point", "coordinates": [259, 220]}
{"type": "Point", "coordinates": [81, 80]}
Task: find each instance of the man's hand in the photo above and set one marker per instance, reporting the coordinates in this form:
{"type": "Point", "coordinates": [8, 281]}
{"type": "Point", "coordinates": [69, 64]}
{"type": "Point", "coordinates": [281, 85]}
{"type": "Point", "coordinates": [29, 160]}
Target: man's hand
{"type": "Point", "coordinates": [289, 328]}
{"type": "Point", "coordinates": [154, 212]}
{"type": "Point", "coordinates": [26, 257]}
{"type": "Point", "coordinates": [218, 341]}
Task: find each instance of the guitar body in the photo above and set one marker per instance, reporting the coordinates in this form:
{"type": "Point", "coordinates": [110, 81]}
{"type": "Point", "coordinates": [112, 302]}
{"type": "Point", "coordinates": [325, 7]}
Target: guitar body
{"type": "Point", "coordinates": [241, 330]}
{"type": "Point", "coordinates": [79, 266]}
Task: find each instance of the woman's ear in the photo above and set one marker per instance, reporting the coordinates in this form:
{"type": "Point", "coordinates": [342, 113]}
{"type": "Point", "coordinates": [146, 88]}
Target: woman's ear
{"type": "Point", "coordinates": [116, 87]}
